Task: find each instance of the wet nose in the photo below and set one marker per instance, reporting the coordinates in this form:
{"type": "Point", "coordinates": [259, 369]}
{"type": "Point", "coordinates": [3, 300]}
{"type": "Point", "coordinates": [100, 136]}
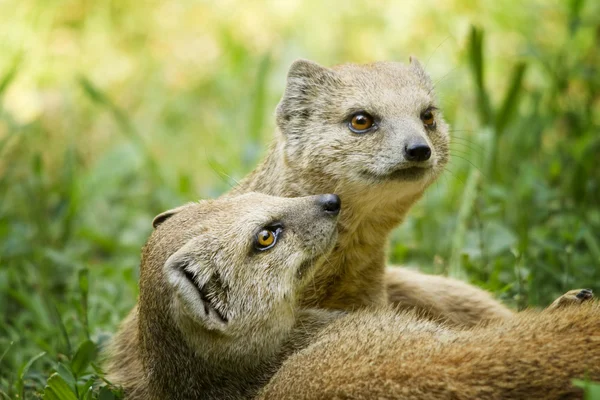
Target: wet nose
{"type": "Point", "coordinates": [330, 203]}
{"type": "Point", "coordinates": [417, 152]}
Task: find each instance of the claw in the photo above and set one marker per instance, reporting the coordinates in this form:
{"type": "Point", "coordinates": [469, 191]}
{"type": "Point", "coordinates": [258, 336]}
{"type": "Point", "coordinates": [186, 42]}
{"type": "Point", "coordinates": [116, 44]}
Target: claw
{"type": "Point", "coordinates": [585, 294]}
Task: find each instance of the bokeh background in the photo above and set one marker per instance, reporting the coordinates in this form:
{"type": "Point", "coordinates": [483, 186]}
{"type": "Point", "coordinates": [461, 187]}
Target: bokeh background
{"type": "Point", "coordinates": [113, 111]}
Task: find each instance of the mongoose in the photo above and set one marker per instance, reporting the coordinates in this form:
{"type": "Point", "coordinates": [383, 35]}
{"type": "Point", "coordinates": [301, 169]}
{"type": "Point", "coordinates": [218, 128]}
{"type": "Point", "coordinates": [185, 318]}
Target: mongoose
{"type": "Point", "coordinates": [373, 135]}
{"type": "Point", "coordinates": [218, 287]}
{"type": "Point", "coordinates": [387, 354]}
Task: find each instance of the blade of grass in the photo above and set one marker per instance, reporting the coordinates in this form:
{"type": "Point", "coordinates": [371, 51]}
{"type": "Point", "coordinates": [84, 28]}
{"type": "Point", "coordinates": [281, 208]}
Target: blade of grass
{"type": "Point", "coordinates": [592, 244]}
{"type": "Point", "coordinates": [57, 389]}
{"type": "Point", "coordinates": [6, 139]}
{"type": "Point", "coordinates": [592, 389]}
{"type": "Point", "coordinates": [127, 127]}
{"type": "Point", "coordinates": [10, 75]}
{"type": "Point", "coordinates": [511, 98]}
{"type": "Point", "coordinates": [467, 203]}
{"type": "Point", "coordinates": [257, 115]}
{"type": "Point", "coordinates": [86, 353]}
{"type": "Point", "coordinates": [478, 70]}
{"type": "Point", "coordinates": [575, 8]}
{"type": "Point", "coordinates": [23, 370]}
{"type": "Point", "coordinates": [84, 286]}
{"type": "Point", "coordinates": [6, 351]}
{"type": "Point", "coordinates": [106, 394]}
{"type": "Point", "coordinates": [55, 315]}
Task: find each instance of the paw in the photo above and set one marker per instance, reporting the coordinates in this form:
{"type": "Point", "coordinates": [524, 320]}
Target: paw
{"type": "Point", "coordinates": [572, 298]}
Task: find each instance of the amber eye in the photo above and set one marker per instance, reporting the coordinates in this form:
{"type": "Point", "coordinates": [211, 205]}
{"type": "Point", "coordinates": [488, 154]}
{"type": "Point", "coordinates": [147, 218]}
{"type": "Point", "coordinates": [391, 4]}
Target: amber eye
{"type": "Point", "coordinates": [427, 118]}
{"type": "Point", "coordinates": [361, 122]}
{"type": "Point", "coordinates": [265, 239]}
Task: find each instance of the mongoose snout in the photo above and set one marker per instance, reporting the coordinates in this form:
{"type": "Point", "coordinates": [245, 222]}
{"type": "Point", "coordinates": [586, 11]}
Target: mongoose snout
{"type": "Point", "coordinates": [417, 152]}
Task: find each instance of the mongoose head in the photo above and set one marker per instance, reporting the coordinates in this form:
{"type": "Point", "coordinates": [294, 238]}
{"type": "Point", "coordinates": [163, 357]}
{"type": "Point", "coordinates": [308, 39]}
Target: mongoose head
{"type": "Point", "coordinates": [231, 268]}
{"type": "Point", "coordinates": [363, 127]}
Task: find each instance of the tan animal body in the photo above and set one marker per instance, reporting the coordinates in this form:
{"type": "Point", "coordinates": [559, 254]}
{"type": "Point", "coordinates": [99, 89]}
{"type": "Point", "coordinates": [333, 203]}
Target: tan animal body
{"type": "Point", "coordinates": [385, 354]}
{"type": "Point", "coordinates": [218, 289]}
{"type": "Point", "coordinates": [373, 135]}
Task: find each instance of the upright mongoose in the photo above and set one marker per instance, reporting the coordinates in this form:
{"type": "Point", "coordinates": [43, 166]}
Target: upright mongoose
{"type": "Point", "coordinates": [389, 355]}
{"type": "Point", "coordinates": [218, 287]}
{"type": "Point", "coordinates": [373, 135]}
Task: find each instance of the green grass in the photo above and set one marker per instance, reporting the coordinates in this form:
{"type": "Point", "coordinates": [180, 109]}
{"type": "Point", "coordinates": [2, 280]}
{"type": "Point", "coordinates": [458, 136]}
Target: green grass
{"type": "Point", "coordinates": [111, 112]}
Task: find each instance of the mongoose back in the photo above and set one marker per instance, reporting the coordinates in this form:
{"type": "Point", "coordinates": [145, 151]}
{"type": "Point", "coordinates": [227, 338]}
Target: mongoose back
{"type": "Point", "coordinates": [373, 135]}
{"type": "Point", "coordinates": [218, 287]}
{"type": "Point", "coordinates": [389, 355]}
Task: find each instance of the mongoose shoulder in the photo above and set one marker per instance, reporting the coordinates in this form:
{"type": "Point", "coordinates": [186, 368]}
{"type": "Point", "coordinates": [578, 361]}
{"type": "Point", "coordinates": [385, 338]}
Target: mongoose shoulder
{"type": "Point", "coordinates": [372, 134]}
{"type": "Point", "coordinates": [218, 290]}
{"type": "Point", "coordinates": [388, 354]}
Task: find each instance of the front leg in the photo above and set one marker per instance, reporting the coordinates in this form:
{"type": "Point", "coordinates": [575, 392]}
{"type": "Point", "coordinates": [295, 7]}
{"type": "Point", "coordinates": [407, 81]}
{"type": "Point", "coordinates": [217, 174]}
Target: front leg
{"type": "Point", "coordinates": [438, 297]}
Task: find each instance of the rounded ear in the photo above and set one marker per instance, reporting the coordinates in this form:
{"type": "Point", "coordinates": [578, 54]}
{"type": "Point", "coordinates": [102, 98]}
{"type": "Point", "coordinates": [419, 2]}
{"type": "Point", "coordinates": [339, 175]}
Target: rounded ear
{"type": "Point", "coordinates": [162, 217]}
{"type": "Point", "coordinates": [302, 68]}
{"type": "Point", "coordinates": [196, 283]}
{"type": "Point", "coordinates": [304, 81]}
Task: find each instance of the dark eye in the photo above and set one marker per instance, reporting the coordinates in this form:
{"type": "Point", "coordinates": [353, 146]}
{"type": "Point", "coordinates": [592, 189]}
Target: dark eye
{"type": "Point", "coordinates": [361, 122]}
{"type": "Point", "coordinates": [266, 239]}
{"type": "Point", "coordinates": [428, 118]}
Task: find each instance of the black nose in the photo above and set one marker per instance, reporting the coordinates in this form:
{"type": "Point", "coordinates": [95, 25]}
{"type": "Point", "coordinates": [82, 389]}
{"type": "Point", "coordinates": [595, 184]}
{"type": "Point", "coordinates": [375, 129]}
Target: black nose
{"type": "Point", "coordinates": [330, 203]}
{"type": "Point", "coordinates": [417, 152]}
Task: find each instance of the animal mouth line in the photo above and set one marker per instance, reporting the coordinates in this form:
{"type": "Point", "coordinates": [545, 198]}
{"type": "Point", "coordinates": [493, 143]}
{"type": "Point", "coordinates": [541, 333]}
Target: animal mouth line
{"type": "Point", "coordinates": [408, 173]}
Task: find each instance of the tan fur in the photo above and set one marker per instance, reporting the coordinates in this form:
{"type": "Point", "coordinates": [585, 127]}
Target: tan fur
{"type": "Point", "coordinates": [315, 152]}
{"type": "Point", "coordinates": [384, 354]}
{"type": "Point", "coordinates": [215, 315]}
{"type": "Point", "coordinates": [456, 302]}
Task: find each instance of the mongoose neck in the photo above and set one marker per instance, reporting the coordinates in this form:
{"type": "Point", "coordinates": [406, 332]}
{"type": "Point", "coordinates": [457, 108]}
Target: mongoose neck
{"type": "Point", "coordinates": [354, 272]}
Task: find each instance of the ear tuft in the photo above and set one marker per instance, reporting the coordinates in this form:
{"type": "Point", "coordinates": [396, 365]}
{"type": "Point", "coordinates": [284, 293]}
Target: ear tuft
{"type": "Point", "coordinates": [416, 66]}
{"type": "Point", "coordinates": [418, 69]}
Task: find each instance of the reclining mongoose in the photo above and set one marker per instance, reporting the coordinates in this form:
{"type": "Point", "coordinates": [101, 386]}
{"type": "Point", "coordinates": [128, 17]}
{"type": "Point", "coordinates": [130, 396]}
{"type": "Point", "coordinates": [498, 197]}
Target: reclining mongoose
{"type": "Point", "coordinates": [373, 135]}
{"type": "Point", "coordinates": [218, 288]}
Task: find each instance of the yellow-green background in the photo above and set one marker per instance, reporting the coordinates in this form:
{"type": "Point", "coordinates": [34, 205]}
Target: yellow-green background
{"type": "Point", "coordinates": [112, 111]}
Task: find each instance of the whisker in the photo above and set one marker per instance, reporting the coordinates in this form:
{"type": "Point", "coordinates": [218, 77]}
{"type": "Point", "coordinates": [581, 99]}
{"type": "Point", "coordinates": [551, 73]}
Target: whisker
{"type": "Point", "coordinates": [220, 173]}
{"type": "Point", "coordinates": [436, 49]}
{"type": "Point", "coordinates": [469, 161]}
{"type": "Point", "coordinates": [463, 140]}
{"type": "Point", "coordinates": [454, 174]}
{"type": "Point", "coordinates": [442, 78]}
{"type": "Point", "coordinates": [471, 153]}
{"type": "Point", "coordinates": [473, 149]}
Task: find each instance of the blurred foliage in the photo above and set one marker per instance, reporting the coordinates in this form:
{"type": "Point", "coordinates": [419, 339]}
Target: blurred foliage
{"type": "Point", "coordinates": [113, 111]}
